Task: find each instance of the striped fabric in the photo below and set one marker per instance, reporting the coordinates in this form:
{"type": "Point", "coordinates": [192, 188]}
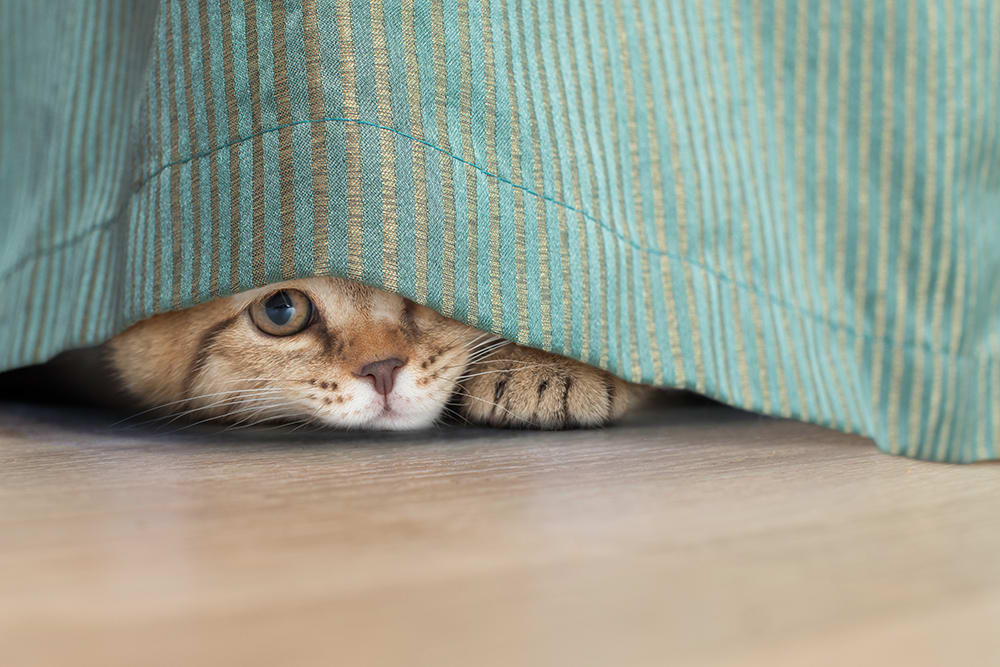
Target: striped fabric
{"type": "Point", "coordinates": [793, 207]}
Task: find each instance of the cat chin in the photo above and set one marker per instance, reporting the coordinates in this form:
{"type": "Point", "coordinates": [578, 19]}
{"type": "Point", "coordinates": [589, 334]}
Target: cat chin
{"type": "Point", "coordinates": [390, 421]}
{"type": "Point", "coordinates": [400, 422]}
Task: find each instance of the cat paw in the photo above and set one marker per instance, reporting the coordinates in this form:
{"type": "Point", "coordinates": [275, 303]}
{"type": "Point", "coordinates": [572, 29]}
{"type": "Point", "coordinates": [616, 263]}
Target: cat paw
{"type": "Point", "coordinates": [523, 387]}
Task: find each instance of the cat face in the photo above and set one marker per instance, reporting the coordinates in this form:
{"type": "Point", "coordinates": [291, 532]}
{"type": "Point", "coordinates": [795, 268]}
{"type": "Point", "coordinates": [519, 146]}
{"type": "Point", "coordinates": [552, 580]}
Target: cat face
{"type": "Point", "coordinates": [320, 350]}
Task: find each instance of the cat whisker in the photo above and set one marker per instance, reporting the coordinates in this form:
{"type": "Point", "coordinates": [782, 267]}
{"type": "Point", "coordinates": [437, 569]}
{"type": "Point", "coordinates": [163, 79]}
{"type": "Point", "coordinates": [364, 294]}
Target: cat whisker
{"type": "Point", "coordinates": [258, 379]}
{"type": "Point", "coordinates": [459, 391]}
{"type": "Point", "coordinates": [182, 400]}
{"type": "Point", "coordinates": [280, 421]}
{"type": "Point", "coordinates": [231, 400]}
{"type": "Point", "coordinates": [276, 419]}
{"type": "Point", "coordinates": [312, 418]}
{"type": "Point", "coordinates": [269, 412]}
{"type": "Point", "coordinates": [262, 403]}
{"type": "Point", "coordinates": [445, 410]}
{"type": "Point", "coordinates": [486, 350]}
{"type": "Point", "coordinates": [520, 363]}
{"type": "Point", "coordinates": [462, 378]}
{"type": "Point", "coordinates": [302, 422]}
{"type": "Point", "coordinates": [482, 342]}
{"type": "Point", "coordinates": [469, 362]}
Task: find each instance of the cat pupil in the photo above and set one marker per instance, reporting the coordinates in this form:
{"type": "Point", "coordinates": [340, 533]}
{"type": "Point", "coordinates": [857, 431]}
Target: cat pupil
{"type": "Point", "coordinates": [279, 308]}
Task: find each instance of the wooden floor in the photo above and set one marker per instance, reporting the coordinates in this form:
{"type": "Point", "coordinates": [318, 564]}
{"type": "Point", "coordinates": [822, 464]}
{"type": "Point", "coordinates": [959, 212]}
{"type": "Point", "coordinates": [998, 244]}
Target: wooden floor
{"type": "Point", "coordinates": [690, 535]}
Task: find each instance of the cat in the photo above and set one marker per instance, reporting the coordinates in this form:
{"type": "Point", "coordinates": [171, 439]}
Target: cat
{"type": "Point", "coordinates": [338, 353]}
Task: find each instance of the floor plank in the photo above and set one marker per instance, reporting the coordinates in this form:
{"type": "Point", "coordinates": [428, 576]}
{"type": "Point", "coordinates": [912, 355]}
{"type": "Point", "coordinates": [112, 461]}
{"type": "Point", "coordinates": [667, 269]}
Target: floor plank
{"type": "Point", "coordinates": [691, 534]}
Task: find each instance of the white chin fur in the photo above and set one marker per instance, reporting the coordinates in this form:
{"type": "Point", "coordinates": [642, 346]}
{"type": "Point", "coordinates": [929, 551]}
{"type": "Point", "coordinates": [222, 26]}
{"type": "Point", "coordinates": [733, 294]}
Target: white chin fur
{"type": "Point", "coordinates": [392, 421]}
{"type": "Point", "coordinates": [401, 422]}
{"type": "Point", "coordinates": [398, 419]}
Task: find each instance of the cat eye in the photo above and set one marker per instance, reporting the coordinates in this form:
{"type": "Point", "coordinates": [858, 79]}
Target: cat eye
{"type": "Point", "coordinates": [284, 313]}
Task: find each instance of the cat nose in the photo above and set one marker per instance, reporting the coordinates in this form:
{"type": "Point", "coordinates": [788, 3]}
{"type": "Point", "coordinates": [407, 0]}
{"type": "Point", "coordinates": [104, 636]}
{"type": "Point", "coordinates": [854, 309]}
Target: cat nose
{"type": "Point", "coordinates": [382, 373]}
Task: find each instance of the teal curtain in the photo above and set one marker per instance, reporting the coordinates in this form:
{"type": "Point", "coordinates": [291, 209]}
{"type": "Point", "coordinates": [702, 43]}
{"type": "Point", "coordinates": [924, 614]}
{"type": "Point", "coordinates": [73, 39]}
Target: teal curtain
{"type": "Point", "coordinates": [792, 207]}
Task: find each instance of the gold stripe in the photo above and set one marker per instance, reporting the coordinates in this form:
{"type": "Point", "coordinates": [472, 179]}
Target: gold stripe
{"type": "Point", "coordinates": [195, 202]}
{"type": "Point", "coordinates": [973, 156]}
{"type": "Point", "coordinates": [520, 243]}
{"type": "Point", "coordinates": [703, 116]}
{"type": "Point", "coordinates": [109, 306]}
{"type": "Point", "coordinates": [984, 152]}
{"type": "Point", "coordinates": [994, 414]}
{"type": "Point", "coordinates": [100, 160]}
{"type": "Point", "coordinates": [213, 175]}
{"type": "Point", "coordinates": [943, 250]}
{"type": "Point", "coordinates": [731, 184]}
{"type": "Point", "coordinates": [806, 375]}
{"type": "Point", "coordinates": [843, 223]}
{"type": "Point", "coordinates": [157, 249]}
{"type": "Point", "coordinates": [817, 374]}
{"type": "Point", "coordinates": [471, 175]}
{"type": "Point", "coordinates": [832, 372]}
{"type": "Point", "coordinates": [699, 121]}
{"type": "Point", "coordinates": [991, 413]}
{"type": "Point", "coordinates": [175, 194]}
{"type": "Point", "coordinates": [541, 106]}
{"type": "Point", "coordinates": [680, 205]}
{"type": "Point", "coordinates": [154, 183]}
{"type": "Point", "coordinates": [139, 266]}
{"type": "Point", "coordinates": [983, 412]}
{"type": "Point", "coordinates": [87, 297]}
{"type": "Point", "coordinates": [961, 222]}
{"type": "Point", "coordinates": [659, 226]}
{"type": "Point", "coordinates": [496, 292]}
{"type": "Point", "coordinates": [864, 177]}
{"type": "Point", "coordinates": [521, 282]}
{"type": "Point", "coordinates": [617, 241]}
{"type": "Point", "coordinates": [495, 269]}
{"type": "Point", "coordinates": [317, 109]}
{"type": "Point", "coordinates": [577, 197]}
{"type": "Point", "coordinates": [253, 68]}
{"type": "Point", "coordinates": [56, 275]}
{"type": "Point", "coordinates": [927, 245]}
{"type": "Point", "coordinates": [419, 152]}
{"type": "Point", "coordinates": [623, 228]}
{"type": "Point", "coordinates": [536, 183]}
{"type": "Point", "coordinates": [520, 249]}
{"type": "Point", "coordinates": [888, 47]}
{"type": "Point", "coordinates": [986, 159]}
{"type": "Point", "coordinates": [682, 231]}
{"type": "Point", "coordinates": [352, 132]}
{"type": "Point", "coordinates": [800, 374]}
{"type": "Point", "coordinates": [232, 109]}
{"type": "Point", "coordinates": [441, 103]}
{"type": "Point", "coordinates": [284, 116]}
{"type": "Point", "coordinates": [468, 149]}
{"type": "Point", "coordinates": [556, 166]}
{"type": "Point", "coordinates": [390, 233]}
{"type": "Point", "coordinates": [136, 205]}
{"type": "Point", "coordinates": [903, 274]}
{"type": "Point", "coordinates": [747, 256]}
{"type": "Point", "coordinates": [757, 36]}
{"type": "Point", "coordinates": [635, 204]}
{"type": "Point", "coordinates": [605, 349]}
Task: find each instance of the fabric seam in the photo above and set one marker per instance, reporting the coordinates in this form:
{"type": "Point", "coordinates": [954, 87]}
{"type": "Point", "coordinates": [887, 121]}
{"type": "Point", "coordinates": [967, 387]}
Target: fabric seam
{"type": "Point", "coordinates": [22, 262]}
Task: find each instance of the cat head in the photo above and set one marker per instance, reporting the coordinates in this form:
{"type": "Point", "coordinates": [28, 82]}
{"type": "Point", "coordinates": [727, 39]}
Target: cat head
{"type": "Point", "coordinates": [321, 350]}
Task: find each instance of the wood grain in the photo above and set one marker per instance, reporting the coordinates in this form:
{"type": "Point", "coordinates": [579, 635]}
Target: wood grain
{"type": "Point", "coordinates": [691, 534]}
